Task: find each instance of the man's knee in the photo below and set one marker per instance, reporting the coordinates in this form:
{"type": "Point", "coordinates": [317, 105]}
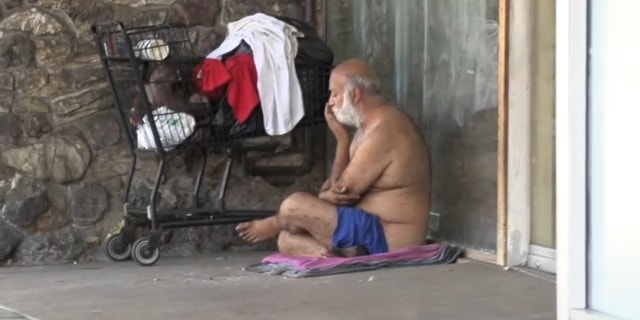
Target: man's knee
{"type": "Point", "coordinates": [296, 201]}
{"type": "Point", "coordinates": [293, 206]}
{"type": "Point", "coordinates": [305, 212]}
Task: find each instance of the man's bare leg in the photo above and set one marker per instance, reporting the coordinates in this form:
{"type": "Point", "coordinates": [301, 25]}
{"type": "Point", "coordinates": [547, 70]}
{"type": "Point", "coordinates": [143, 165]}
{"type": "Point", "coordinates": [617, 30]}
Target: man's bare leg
{"type": "Point", "coordinates": [301, 245]}
{"type": "Point", "coordinates": [259, 230]}
{"type": "Point", "coordinates": [299, 213]}
{"type": "Point", "coordinates": [296, 245]}
{"type": "Point", "coordinates": [306, 213]}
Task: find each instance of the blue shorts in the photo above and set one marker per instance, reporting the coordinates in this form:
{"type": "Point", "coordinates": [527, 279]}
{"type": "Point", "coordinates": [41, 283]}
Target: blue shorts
{"type": "Point", "coordinates": [357, 227]}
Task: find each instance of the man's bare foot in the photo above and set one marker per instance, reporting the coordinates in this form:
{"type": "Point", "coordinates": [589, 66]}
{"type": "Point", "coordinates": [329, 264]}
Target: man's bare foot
{"type": "Point", "coordinates": [301, 245]}
{"type": "Point", "coordinates": [325, 253]}
{"type": "Point", "coordinates": [259, 230]}
{"type": "Point", "coordinates": [350, 252]}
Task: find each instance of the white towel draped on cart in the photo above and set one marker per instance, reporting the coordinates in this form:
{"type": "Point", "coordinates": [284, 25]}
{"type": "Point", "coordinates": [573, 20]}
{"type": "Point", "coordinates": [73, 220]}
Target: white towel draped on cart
{"type": "Point", "coordinates": [274, 45]}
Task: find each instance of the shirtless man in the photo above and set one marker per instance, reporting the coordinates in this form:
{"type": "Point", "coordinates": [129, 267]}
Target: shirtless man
{"type": "Point", "coordinates": [378, 195]}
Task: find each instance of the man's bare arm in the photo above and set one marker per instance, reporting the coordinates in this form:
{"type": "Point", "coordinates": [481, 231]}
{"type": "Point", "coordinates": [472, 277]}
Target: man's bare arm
{"type": "Point", "coordinates": [370, 160]}
{"type": "Point", "coordinates": [341, 160]}
{"type": "Point", "coordinates": [326, 185]}
{"type": "Point", "coordinates": [327, 191]}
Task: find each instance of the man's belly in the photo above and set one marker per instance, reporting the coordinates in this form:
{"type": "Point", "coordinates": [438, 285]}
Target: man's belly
{"type": "Point", "coordinates": [404, 218]}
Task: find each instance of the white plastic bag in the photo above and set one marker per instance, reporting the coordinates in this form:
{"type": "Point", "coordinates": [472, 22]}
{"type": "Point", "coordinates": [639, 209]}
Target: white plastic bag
{"type": "Point", "coordinates": [173, 129]}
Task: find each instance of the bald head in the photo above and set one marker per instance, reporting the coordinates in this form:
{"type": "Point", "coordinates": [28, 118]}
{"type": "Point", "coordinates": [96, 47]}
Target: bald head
{"type": "Point", "coordinates": [354, 86]}
{"type": "Point", "coordinates": [358, 74]}
{"type": "Point", "coordinates": [355, 66]}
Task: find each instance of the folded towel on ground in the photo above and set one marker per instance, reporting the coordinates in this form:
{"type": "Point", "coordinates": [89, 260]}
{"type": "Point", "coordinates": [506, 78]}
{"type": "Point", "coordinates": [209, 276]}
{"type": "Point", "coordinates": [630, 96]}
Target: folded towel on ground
{"type": "Point", "coordinates": [301, 267]}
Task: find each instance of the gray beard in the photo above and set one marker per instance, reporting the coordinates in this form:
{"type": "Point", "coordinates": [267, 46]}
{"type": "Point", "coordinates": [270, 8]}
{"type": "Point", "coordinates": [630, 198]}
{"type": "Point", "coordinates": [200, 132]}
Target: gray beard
{"type": "Point", "coordinates": [348, 115]}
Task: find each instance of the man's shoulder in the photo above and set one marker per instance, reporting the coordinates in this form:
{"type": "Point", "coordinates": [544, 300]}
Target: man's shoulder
{"type": "Point", "coordinates": [393, 120]}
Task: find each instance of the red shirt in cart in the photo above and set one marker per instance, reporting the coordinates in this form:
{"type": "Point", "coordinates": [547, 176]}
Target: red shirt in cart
{"type": "Point", "coordinates": [237, 75]}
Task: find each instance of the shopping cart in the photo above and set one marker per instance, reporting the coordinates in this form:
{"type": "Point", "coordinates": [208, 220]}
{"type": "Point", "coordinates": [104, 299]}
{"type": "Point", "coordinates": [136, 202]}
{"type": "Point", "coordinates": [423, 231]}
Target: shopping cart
{"type": "Point", "coordinates": [150, 71]}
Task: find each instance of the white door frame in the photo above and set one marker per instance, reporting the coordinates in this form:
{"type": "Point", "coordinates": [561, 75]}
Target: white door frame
{"type": "Point", "coordinates": [571, 136]}
{"type": "Point", "coordinates": [571, 159]}
{"type": "Point", "coordinates": [514, 133]}
{"type": "Point", "coordinates": [519, 132]}
{"type": "Point", "coordinates": [516, 79]}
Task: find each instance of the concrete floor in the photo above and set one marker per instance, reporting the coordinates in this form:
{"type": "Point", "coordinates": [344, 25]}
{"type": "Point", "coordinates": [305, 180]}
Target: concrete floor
{"type": "Point", "coordinates": [217, 288]}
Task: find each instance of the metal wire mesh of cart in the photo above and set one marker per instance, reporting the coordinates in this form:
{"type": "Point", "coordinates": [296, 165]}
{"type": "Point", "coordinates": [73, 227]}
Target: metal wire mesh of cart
{"type": "Point", "coordinates": [149, 69]}
{"type": "Point", "coordinates": [148, 43]}
{"type": "Point", "coordinates": [314, 81]}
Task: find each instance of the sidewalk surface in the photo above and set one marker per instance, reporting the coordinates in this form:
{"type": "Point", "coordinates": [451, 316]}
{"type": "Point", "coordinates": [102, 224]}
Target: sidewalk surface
{"type": "Point", "coordinates": [217, 288]}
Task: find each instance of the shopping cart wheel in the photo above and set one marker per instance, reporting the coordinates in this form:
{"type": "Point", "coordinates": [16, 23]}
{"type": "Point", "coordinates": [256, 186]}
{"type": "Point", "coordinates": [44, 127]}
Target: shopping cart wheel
{"type": "Point", "coordinates": [117, 250]}
{"type": "Point", "coordinates": [144, 255]}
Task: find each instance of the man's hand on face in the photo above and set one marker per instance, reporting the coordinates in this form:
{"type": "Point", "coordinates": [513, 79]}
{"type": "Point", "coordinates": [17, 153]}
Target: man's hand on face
{"type": "Point", "coordinates": [339, 130]}
{"type": "Point", "coordinates": [339, 196]}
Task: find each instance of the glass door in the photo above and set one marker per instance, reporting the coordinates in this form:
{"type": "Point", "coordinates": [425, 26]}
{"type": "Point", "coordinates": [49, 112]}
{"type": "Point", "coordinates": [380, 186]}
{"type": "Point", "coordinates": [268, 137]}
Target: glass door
{"type": "Point", "coordinates": [613, 272]}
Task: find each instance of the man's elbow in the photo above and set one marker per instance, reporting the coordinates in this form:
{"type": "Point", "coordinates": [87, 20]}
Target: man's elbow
{"type": "Point", "coordinates": [340, 185]}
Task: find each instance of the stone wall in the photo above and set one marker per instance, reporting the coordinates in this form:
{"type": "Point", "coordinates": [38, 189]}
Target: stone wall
{"type": "Point", "coordinates": [63, 155]}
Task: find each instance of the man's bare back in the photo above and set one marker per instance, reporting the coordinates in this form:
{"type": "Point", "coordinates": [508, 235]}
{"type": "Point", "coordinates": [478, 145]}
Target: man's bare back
{"type": "Point", "coordinates": [378, 195]}
{"type": "Point", "coordinates": [401, 195]}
